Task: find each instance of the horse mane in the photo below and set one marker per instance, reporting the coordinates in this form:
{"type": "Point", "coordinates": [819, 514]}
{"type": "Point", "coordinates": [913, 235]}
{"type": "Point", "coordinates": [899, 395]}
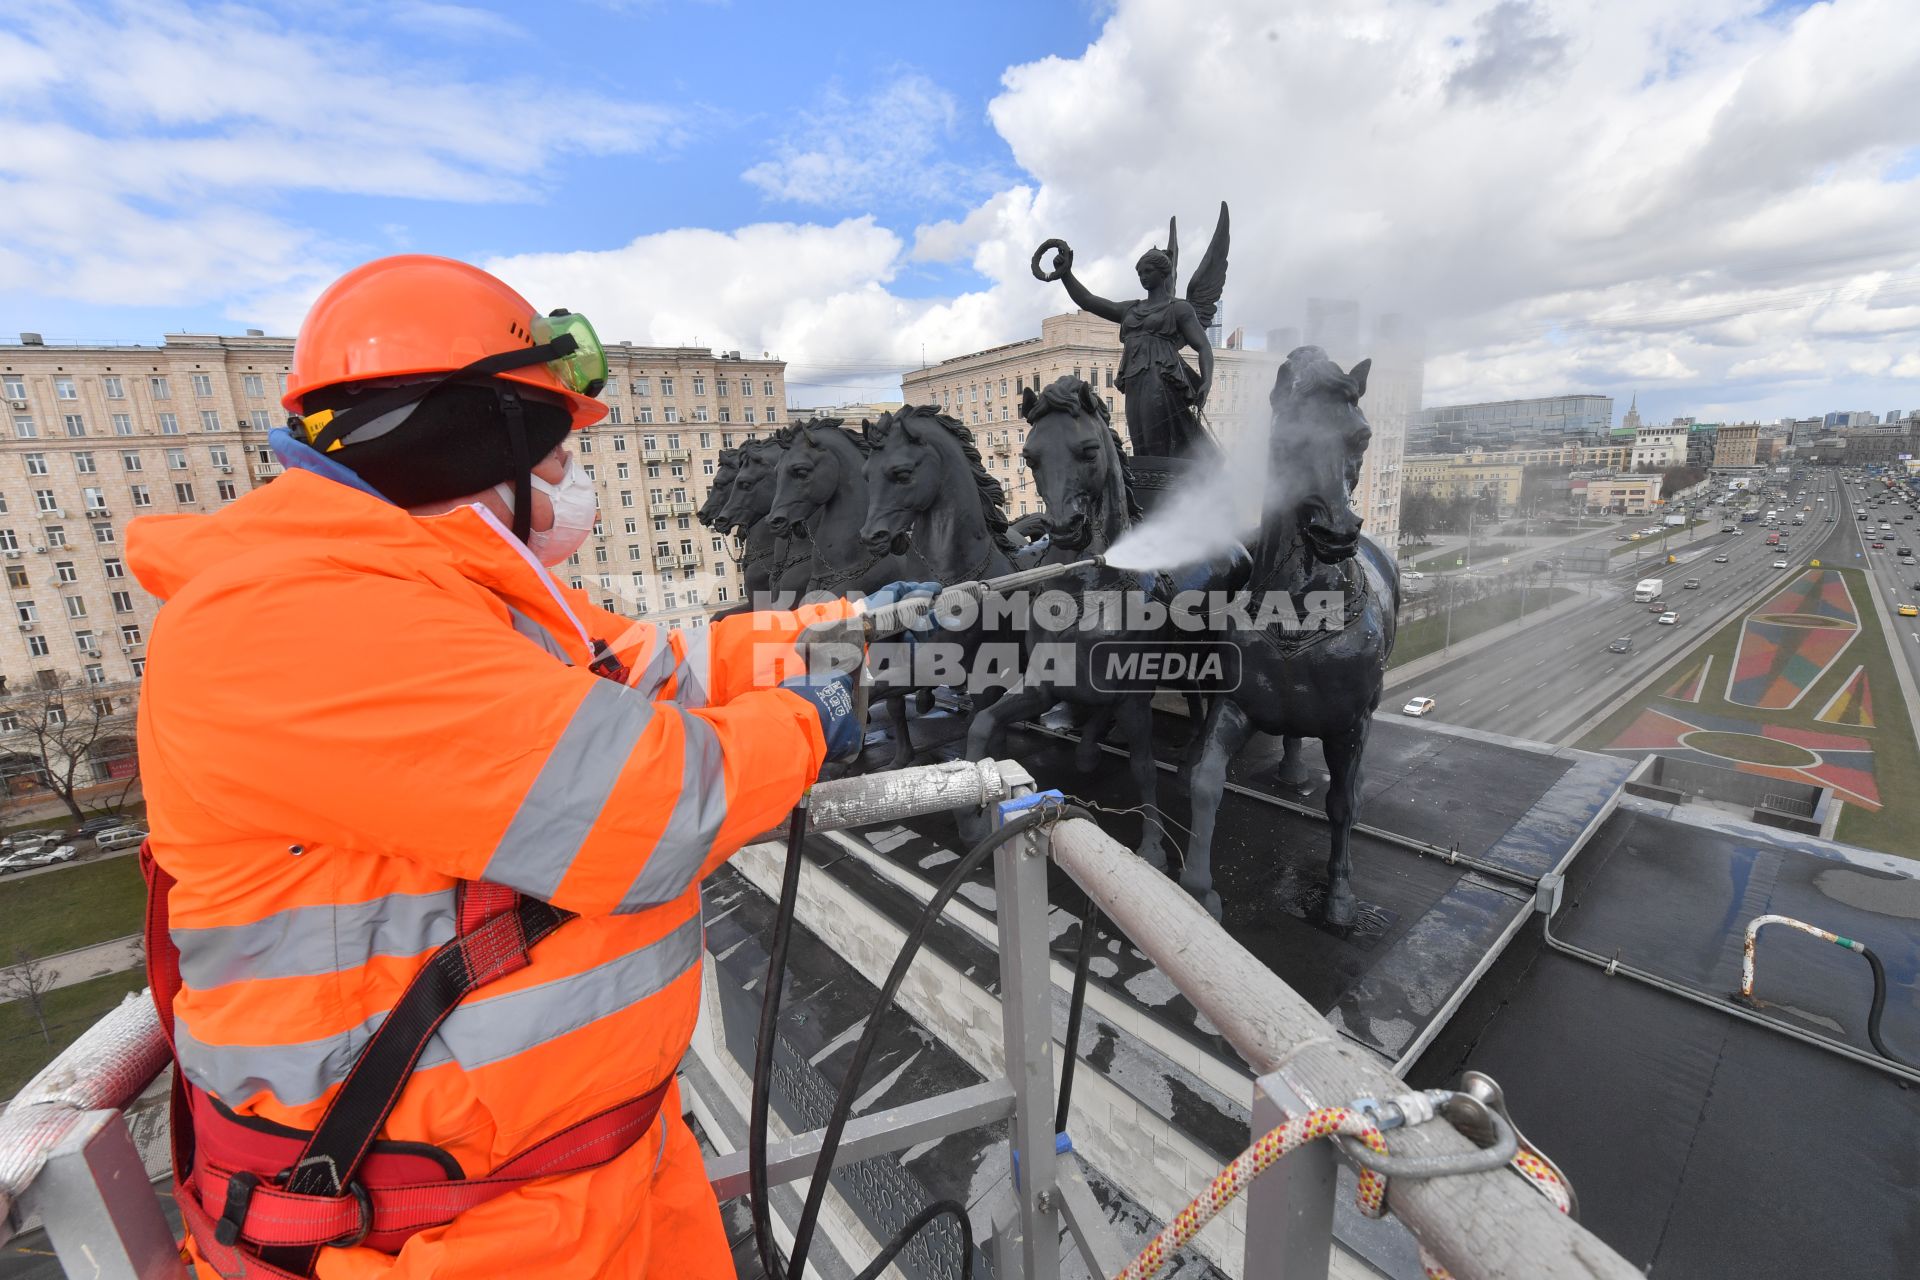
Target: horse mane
{"type": "Point", "coordinates": [1309, 371]}
{"type": "Point", "coordinates": [779, 440]}
{"type": "Point", "coordinates": [838, 426]}
{"type": "Point", "coordinates": [993, 498]}
{"type": "Point", "coordinates": [1067, 393]}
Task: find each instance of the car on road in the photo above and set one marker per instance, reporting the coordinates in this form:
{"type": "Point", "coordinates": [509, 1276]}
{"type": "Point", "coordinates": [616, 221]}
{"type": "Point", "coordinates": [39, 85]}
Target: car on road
{"type": "Point", "coordinates": [1623, 644]}
{"type": "Point", "coordinates": [1668, 619]}
{"type": "Point", "coordinates": [1720, 559]}
{"type": "Point", "coordinates": [94, 826]}
{"type": "Point", "coordinates": [1910, 610]}
{"type": "Point", "coordinates": [1623, 537]}
{"type": "Point", "coordinates": [1779, 564]}
{"type": "Point", "coordinates": [1658, 606]}
{"type": "Point", "coordinates": [1727, 528]}
{"type": "Point", "coordinates": [120, 837]}
{"type": "Point", "coordinates": [1691, 584]}
{"type": "Point", "coordinates": [15, 861]}
{"type": "Point", "coordinates": [1417, 707]}
{"type": "Point", "coordinates": [1879, 546]}
{"type": "Point", "coordinates": [1412, 575]}
{"type": "Point", "coordinates": [58, 853]}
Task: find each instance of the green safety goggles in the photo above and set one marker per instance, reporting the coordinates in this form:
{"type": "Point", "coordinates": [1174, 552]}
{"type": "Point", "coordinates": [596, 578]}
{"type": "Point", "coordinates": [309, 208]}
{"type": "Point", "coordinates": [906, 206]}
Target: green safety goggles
{"type": "Point", "coordinates": [581, 367]}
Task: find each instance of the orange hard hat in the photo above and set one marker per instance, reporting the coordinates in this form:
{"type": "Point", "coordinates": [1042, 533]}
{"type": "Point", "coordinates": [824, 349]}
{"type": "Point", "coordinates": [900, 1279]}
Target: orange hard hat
{"type": "Point", "coordinates": [416, 315]}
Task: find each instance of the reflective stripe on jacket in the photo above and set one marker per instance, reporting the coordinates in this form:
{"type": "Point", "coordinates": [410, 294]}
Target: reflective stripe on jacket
{"type": "Point", "coordinates": [347, 710]}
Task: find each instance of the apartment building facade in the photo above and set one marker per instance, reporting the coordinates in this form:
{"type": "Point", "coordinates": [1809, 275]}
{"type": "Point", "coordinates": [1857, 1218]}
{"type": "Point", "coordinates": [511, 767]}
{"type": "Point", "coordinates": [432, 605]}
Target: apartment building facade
{"type": "Point", "coordinates": [98, 435]}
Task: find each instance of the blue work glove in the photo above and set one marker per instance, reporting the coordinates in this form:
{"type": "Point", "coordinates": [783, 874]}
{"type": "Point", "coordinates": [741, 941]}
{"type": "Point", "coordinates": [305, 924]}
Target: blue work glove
{"type": "Point", "coordinates": [831, 694]}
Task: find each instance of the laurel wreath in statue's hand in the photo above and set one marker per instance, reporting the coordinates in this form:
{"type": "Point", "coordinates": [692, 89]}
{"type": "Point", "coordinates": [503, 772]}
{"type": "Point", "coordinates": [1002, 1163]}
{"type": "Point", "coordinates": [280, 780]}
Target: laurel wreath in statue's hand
{"type": "Point", "coordinates": [1062, 261]}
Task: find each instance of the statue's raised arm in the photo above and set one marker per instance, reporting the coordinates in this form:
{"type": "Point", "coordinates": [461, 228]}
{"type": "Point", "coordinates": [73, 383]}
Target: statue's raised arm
{"type": "Point", "coordinates": [1083, 297]}
{"type": "Point", "coordinates": [1164, 393]}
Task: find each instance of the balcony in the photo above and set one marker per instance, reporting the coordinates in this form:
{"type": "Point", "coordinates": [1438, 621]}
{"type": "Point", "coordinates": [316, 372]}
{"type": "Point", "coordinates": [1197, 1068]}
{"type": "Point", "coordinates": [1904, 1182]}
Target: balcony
{"type": "Point", "coordinates": [690, 563]}
{"type": "Point", "coordinates": [679, 455]}
{"type": "Point", "coordinates": [680, 508]}
{"type": "Point", "coordinates": [266, 470]}
{"type": "Point", "coordinates": [653, 455]}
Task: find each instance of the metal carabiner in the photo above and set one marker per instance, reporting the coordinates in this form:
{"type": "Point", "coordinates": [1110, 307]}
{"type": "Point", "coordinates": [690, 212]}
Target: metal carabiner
{"type": "Point", "coordinates": [1479, 1119]}
{"type": "Point", "coordinates": [1486, 1090]}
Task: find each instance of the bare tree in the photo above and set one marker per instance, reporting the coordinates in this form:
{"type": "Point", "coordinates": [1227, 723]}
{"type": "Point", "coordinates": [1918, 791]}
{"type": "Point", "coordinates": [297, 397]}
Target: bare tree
{"type": "Point", "coordinates": [29, 980]}
{"type": "Point", "coordinates": [62, 723]}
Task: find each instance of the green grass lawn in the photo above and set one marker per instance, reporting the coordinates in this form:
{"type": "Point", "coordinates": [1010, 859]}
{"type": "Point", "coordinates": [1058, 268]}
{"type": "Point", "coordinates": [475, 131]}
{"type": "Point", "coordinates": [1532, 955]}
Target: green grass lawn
{"type": "Point", "coordinates": [1417, 639]}
{"type": "Point", "coordinates": [1895, 828]}
{"type": "Point", "coordinates": [75, 906]}
{"type": "Point", "coordinates": [1483, 553]}
{"type": "Point", "coordinates": [69, 1011]}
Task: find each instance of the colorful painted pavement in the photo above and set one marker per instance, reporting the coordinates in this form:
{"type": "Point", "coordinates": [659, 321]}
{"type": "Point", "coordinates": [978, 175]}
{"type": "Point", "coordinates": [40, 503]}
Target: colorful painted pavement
{"type": "Point", "coordinates": [1789, 642]}
{"type": "Point", "coordinates": [1853, 704]}
{"type": "Point", "coordinates": [1687, 688]}
{"type": "Point", "coordinates": [1776, 751]}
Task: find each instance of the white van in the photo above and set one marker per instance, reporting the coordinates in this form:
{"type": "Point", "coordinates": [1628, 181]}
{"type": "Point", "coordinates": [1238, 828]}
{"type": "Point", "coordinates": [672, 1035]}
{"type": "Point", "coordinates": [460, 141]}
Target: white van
{"type": "Point", "coordinates": [119, 837]}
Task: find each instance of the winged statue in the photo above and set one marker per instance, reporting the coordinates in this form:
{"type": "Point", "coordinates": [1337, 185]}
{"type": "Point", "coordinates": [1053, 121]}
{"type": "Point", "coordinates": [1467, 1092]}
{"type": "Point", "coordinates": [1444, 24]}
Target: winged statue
{"type": "Point", "coordinates": [1164, 394]}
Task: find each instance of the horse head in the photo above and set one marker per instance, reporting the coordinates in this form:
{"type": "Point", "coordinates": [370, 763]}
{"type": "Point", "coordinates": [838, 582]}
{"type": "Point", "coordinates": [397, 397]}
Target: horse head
{"type": "Point", "coordinates": [1318, 441]}
{"type": "Point", "coordinates": [751, 497]}
{"type": "Point", "coordinates": [1078, 466]}
{"type": "Point", "coordinates": [721, 489]}
{"type": "Point", "coordinates": [822, 461]}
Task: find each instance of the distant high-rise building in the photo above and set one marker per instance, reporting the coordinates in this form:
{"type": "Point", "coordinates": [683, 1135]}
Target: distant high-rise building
{"type": "Point", "coordinates": [1281, 341]}
{"type": "Point", "coordinates": [1502, 424]}
{"type": "Point", "coordinates": [1333, 325]}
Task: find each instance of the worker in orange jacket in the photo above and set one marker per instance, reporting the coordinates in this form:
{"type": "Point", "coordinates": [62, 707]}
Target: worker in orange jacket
{"type": "Point", "coordinates": [429, 825]}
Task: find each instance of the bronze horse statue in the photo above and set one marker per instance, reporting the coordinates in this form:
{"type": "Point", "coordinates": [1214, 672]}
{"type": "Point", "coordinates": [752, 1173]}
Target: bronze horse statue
{"type": "Point", "coordinates": [1086, 485]}
{"type": "Point", "coordinates": [720, 490]}
{"type": "Point", "coordinates": [1319, 677]}
{"type": "Point", "coordinates": [930, 496]}
{"type": "Point", "coordinates": [821, 494]}
{"type": "Point", "coordinates": [768, 561]}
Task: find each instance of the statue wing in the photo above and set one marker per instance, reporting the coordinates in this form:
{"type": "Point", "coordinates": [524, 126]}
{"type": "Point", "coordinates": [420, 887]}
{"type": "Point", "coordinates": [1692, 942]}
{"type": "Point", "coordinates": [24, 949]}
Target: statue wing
{"type": "Point", "coordinates": [1210, 277]}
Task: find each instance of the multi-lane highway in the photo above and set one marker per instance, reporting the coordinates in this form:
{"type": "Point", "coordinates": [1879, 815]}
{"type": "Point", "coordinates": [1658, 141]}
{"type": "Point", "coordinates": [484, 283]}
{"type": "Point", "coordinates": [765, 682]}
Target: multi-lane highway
{"type": "Point", "coordinates": [1550, 677]}
{"type": "Point", "coordinates": [1894, 582]}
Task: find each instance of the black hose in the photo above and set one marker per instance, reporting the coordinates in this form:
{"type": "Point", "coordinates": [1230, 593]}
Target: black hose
{"type": "Point", "coordinates": [921, 1219]}
{"type": "Point", "coordinates": [849, 1087]}
{"type": "Point", "coordinates": [1082, 961]}
{"type": "Point", "coordinates": [763, 1047]}
{"type": "Point", "coordinates": [1879, 1007]}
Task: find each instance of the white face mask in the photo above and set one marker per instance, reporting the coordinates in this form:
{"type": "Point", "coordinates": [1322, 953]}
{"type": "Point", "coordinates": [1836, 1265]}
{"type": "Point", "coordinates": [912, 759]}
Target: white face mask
{"type": "Point", "coordinates": [574, 506]}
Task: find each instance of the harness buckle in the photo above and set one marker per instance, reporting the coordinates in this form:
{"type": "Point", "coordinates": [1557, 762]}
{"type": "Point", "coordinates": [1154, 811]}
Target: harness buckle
{"type": "Point", "coordinates": [233, 1214]}
{"type": "Point", "coordinates": [364, 1199]}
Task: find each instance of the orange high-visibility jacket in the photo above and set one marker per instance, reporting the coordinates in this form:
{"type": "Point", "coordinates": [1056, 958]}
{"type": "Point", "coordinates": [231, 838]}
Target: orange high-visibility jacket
{"type": "Point", "coordinates": [347, 710]}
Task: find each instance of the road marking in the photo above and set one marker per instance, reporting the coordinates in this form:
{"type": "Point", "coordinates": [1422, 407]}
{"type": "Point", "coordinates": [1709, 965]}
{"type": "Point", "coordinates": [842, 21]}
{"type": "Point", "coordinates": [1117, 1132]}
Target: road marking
{"type": "Point", "coordinates": [1503, 707]}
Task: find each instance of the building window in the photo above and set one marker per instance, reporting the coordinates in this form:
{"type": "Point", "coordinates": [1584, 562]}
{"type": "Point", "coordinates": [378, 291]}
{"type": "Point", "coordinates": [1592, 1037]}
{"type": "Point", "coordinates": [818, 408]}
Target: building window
{"type": "Point", "coordinates": [699, 384]}
{"type": "Point", "coordinates": [123, 424]}
{"type": "Point", "coordinates": [103, 533]}
{"type": "Point", "coordinates": [114, 568]}
{"type": "Point", "coordinates": [37, 646]}
{"type": "Point", "coordinates": [64, 388]}
{"type": "Point", "coordinates": [644, 415]}
{"type": "Point", "coordinates": [76, 606]}
{"type": "Point", "coordinates": [766, 388]}
{"type": "Point", "coordinates": [620, 470]}
{"type": "Point", "coordinates": [260, 420]}
{"type": "Point", "coordinates": [169, 425]}
{"type": "Point", "coordinates": [251, 384]}
{"type": "Point", "coordinates": [16, 575]}
{"type": "Point", "coordinates": [15, 388]}
{"type": "Point", "coordinates": [141, 498]}
{"type": "Point", "coordinates": [25, 611]}
{"type": "Point", "coordinates": [177, 459]}
{"type": "Point", "coordinates": [130, 633]}
{"type": "Point", "coordinates": [632, 525]}
{"type": "Point", "coordinates": [56, 535]}
{"type": "Point", "coordinates": [202, 385]}
{"type": "Point", "coordinates": [46, 500]}
{"type": "Point", "coordinates": [65, 572]}
{"type": "Point", "coordinates": [123, 602]}
{"type": "Point", "coordinates": [139, 666]}
{"type": "Point", "coordinates": [86, 643]}
{"type": "Point", "coordinates": [613, 414]}
{"type": "Point", "coordinates": [746, 414]}
{"type": "Point", "coordinates": [8, 540]}
{"type": "Point", "coordinates": [217, 455]}
{"type": "Point", "coordinates": [130, 459]}
{"type": "Point", "coordinates": [158, 388]}
{"type": "Point", "coordinates": [641, 386]}
{"type": "Point", "coordinates": [228, 492]}
{"type": "Point", "coordinates": [183, 491]}
{"type": "Point", "coordinates": [209, 420]}
{"type": "Point", "coordinates": [672, 414]}
{"type": "Point", "coordinates": [83, 463]}
{"type": "Point", "coordinates": [74, 423]}
{"type": "Point", "coordinates": [24, 427]}
{"type": "Point", "coordinates": [726, 415]}
{"type": "Point", "coordinates": [36, 464]}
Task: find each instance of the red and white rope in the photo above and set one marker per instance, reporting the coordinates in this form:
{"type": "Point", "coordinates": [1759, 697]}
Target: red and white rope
{"type": "Point", "coordinates": [1322, 1122]}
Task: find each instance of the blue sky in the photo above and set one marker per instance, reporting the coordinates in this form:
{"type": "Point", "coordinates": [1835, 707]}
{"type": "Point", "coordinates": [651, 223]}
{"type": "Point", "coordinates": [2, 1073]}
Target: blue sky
{"type": "Point", "coordinates": [1714, 205]}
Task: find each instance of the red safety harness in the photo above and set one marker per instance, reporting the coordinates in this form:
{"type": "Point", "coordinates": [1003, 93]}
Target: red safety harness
{"type": "Point", "coordinates": [263, 1199]}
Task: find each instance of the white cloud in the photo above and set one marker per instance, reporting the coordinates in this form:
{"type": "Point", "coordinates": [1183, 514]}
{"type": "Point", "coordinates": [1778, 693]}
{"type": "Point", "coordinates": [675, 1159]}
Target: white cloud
{"type": "Point", "coordinates": [881, 150]}
{"type": "Point", "coordinates": [151, 149]}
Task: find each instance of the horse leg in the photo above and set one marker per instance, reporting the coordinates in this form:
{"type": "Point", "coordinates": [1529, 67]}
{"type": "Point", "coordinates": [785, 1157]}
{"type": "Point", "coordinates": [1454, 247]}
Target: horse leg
{"type": "Point", "coordinates": [1293, 770]}
{"type": "Point", "coordinates": [1086, 752]}
{"type": "Point", "coordinates": [1343, 794]}
{"type": "Point", "coordinates": [902, 736]}
{"type": "Point", "coordinates": [1136, 721]}
{"type": "Point", "coordinates": [1226, 732]}
{"type": "Point", "coordinates": [1196, 720]}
